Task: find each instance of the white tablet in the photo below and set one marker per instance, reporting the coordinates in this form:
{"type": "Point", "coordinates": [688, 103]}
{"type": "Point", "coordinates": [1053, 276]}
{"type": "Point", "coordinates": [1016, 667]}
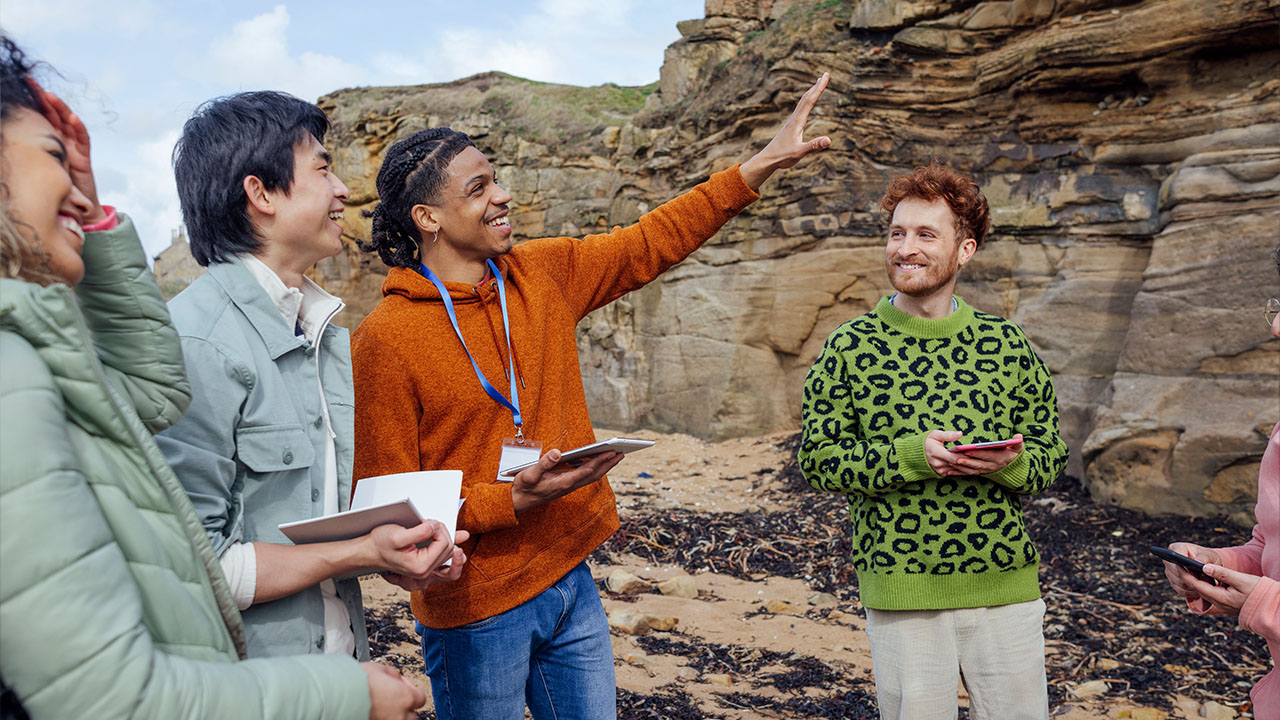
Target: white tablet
{"type": "Point", "coordinates": [618, 445]}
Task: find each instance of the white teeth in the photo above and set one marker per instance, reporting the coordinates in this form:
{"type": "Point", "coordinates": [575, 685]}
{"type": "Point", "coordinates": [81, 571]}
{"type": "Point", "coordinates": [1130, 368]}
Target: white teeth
{"type": "Point", "coordinates": [336, 215]}
{"type": "Point", "coordinates": [71, 225]}
{"type": "Point", "coordinates": [499, 222]}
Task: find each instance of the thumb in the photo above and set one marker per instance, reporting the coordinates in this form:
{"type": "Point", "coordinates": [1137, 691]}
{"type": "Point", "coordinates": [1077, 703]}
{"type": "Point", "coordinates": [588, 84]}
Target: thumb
{"type": "Point", "coordinates": [819, 143]}
{"type": "Point", "coordinates": [1217, 572]}
{"type": "Point", "coordinates": [422, 532]}
{"type": "Point", "coordinates": [550, 460]}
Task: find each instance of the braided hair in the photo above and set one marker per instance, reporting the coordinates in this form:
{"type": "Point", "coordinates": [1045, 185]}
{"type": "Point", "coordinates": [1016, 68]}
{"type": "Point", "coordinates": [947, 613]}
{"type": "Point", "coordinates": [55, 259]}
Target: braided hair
{"type": "Point", "coordinates": [412, 173]}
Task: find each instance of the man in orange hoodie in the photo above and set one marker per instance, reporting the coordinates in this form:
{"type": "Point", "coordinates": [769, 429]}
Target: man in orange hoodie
{"type": "Point", "coordinates": [470, 362]}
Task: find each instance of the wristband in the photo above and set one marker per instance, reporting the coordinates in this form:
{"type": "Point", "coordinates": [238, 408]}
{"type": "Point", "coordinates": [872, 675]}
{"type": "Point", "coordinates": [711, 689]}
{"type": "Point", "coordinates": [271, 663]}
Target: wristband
{"type": "Point", "coordinates": [107, 223]}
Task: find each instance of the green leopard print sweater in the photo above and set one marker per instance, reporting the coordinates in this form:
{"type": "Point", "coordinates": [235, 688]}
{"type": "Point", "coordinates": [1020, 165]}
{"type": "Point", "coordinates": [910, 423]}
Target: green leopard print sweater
{"type": "Point", "coordinates": [881, 384]}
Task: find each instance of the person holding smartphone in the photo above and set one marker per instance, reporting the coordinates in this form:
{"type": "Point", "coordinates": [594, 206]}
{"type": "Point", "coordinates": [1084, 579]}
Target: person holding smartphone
{"type": "Point", "coordinates": [946, 569]}
{"type": "Point", "coordinates": [1247, 576]}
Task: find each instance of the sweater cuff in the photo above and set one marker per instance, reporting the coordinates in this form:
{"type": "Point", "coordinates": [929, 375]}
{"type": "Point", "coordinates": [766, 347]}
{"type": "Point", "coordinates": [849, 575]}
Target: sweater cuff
{"type": "Point", "coordinates": [488, 508]}
{"type": "Point", "coordinates": [1260, 613]}
{"type": "Point", "coordinates": [1014, 475]}
{"type": "Point", "coordinates": [911, 460]}
{"type": "Point", "coordinates": [737, 194]}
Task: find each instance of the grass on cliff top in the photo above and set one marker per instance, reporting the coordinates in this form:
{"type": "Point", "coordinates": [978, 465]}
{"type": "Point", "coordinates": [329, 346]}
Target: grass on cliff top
{"type": "Point", "coordinates": [528, 108]}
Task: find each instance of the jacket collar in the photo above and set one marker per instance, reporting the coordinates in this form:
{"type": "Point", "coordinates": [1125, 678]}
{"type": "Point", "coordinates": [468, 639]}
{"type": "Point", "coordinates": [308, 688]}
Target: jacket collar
{"type": "Point", "coordinates": [249, 297]}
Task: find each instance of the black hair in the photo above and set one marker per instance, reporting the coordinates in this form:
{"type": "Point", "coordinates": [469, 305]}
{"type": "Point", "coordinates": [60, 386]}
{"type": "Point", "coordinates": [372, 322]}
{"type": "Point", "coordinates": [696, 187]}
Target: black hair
{"type": "Point", "coordinates": [22, 255]}
{"type": "Point", "coordinates": [15, 92]}
{"type": "Point", "coordinates": [226, 140]}
{"type": "Point", "coordinates": [412, 173]}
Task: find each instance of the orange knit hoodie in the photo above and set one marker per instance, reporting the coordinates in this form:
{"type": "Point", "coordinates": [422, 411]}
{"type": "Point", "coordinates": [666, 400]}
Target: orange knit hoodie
{"type": "Point", "coordinates": [419, 405]}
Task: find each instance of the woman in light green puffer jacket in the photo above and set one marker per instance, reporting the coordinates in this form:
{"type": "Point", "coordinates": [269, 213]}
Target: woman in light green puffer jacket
{"type": "Point", "coordinates": [112, 604]}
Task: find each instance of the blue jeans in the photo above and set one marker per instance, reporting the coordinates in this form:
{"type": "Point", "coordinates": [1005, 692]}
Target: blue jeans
{"type": "Point", "coordinates": [552, 652]}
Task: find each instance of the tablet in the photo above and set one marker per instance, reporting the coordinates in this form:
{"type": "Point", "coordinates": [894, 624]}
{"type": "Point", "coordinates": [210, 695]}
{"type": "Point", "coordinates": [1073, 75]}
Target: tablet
{"type": "Point", "coordinates": [573, 457]}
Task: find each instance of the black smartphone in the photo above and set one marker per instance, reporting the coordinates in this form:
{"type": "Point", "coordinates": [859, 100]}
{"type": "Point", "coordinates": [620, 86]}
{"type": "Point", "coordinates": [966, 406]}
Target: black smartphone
{"type": "Point", "coordinates": [1194, 566]}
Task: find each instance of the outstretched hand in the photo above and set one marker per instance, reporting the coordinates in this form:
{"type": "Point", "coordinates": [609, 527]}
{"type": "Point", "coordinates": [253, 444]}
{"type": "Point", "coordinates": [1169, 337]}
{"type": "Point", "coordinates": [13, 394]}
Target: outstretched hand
{"type": "Point", "coordinates": [76, 137]}
{"type": "Point", "coordinates": [788, 147]}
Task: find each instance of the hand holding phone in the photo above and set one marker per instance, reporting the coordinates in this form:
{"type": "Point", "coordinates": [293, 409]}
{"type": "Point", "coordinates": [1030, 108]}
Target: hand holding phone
{"type": "Point", "coordinates": [993, 445]}
{"type": "Point", "coordinates": [1192, 565]}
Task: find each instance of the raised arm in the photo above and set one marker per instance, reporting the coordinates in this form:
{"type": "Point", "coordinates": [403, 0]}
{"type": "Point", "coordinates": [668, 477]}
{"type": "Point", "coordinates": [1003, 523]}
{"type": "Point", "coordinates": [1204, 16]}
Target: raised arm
{"type": "Point", "coordinates": [132, 334]}
{"type": "Point", "coordinates": [598, 270]}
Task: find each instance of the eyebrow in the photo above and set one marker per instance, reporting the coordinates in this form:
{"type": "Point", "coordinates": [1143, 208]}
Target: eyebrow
{"type": "Point", "coordinates": [58, 140]}
{"type": "Point", "coordinates": [935, 230]}
{"type": "Point", "coordinates": [325, 156]}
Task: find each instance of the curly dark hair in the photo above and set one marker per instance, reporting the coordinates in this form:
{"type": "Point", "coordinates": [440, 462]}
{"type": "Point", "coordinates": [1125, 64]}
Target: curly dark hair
{"type": "Point", "coordinates": [21, 254]}
{"type": "Point", "coordinates": [412, 173]}
{"type": "Point", "coordinates": [939, 182]}
{"type": "Point", "coordinates": [15, 68]}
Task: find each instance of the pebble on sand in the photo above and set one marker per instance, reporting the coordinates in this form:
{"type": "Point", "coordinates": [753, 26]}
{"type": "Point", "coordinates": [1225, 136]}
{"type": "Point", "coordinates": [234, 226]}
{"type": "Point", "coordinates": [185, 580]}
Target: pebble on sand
{"type": "Point", "coordinates": [682, 586]}
{"type": "Point", "coordinates": [629, 622]}
{"type": "Point", "coordinates": [624, 583]}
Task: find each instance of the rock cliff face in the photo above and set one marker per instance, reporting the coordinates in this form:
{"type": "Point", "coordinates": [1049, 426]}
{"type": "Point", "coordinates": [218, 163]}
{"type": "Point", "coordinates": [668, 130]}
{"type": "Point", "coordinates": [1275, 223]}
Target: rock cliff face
{"type": "Point", "coordinates": [1130, 152]}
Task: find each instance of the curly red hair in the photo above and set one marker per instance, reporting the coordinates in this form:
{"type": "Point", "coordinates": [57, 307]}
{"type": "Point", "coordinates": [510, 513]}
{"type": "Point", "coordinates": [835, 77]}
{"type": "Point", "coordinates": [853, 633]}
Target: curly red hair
{"type": "Point", "coordinates": [939, 182]}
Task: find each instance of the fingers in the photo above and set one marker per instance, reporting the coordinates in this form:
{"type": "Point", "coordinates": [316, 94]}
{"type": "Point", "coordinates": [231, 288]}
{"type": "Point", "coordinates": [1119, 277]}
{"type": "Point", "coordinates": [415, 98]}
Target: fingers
{"type": "Point", "coordinates": [460, 537]}
{"type": "Point", "coordinates": [1241, 582]}
{"type": "Point", "coordinates": [431, 530]}
{"type": "Point", "coordinates": [810, 97]}
{"type": "Point", "coordinates": [418, 697]}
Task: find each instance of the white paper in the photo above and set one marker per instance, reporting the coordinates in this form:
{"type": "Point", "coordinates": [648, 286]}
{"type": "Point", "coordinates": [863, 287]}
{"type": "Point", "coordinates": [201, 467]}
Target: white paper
{"type": "Point", "coordinates": [434, 493]}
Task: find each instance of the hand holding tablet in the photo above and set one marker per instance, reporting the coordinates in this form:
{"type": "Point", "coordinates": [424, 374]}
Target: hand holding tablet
{"type": "Point", "coordinates": [577, 456]}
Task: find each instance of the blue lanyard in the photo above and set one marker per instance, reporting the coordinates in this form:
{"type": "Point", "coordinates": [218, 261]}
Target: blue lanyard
{"type": "Point", "coordinates": [514, 404]}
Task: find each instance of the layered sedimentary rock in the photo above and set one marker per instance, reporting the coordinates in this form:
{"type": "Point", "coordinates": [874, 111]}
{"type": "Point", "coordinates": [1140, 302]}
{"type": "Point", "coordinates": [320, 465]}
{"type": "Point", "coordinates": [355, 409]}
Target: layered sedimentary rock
{"type": "Point", "coordinates": [1130, 152]}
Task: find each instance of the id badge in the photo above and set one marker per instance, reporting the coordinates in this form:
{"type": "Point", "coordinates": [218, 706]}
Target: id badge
{"type": "Point", "coordinates": [515, 452]}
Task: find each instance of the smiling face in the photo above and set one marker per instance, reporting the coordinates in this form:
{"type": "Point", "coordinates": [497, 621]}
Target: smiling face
{"type": "Point", "coordinates": [304, 226]}
{"type": "Point", "coordinates": [47, 206]}
{"type": "Point", "coordinates": [471, 212]}
{"type": "Point", "coordinates": [923, 254]}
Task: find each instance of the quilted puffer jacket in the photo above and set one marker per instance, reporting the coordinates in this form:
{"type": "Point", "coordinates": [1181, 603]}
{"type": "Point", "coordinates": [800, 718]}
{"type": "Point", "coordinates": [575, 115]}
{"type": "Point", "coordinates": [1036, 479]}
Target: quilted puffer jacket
{"type": "Point", "coordinates": [112, 604]}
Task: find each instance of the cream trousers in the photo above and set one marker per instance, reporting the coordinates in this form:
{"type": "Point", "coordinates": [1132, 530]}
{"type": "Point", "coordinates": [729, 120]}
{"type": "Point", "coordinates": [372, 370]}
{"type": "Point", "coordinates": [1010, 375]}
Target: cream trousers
{"type": "Point", "coordinates": [921, 656]}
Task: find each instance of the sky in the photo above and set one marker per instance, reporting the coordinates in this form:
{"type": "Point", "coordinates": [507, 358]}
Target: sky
{"type": "Point", "coordinates": [134, 70]}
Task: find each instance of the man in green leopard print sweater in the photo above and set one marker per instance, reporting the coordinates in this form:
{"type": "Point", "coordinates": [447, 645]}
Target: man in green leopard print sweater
{"type": "Point", "coordinates": [945, 567]}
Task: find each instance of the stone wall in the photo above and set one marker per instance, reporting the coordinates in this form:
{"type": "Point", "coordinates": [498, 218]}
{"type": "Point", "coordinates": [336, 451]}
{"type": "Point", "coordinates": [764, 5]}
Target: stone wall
{"type": "Point", "coordinates": [1130, 152]}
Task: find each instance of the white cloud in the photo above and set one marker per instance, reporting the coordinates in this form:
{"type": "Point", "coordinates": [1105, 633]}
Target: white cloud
{"type": "Point", "coordinates": [36, 18]}
{"type": "Point", "coordinates": [572, 15]}
{"type": "Point", "coordinates": [149, 195]}
{"type": "Point", "coordinates": [467, 52]}
{"type": "Point", "coordinates": [256, 55]}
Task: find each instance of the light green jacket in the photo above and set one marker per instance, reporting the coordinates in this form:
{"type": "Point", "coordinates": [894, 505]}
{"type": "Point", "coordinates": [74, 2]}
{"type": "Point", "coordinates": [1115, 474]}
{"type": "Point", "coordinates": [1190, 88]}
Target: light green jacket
{"type": "Point", "coordinates": [112, 604]}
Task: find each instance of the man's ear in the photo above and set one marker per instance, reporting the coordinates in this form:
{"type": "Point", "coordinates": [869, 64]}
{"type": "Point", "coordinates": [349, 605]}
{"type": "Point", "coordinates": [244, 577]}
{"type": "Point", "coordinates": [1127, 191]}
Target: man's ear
{"type": "Point", "coordinates": [968, 247]}
{"type": "Point", "coordinates": [424, 218]}
{"type": "Point", "coordinates": [258, 197]}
